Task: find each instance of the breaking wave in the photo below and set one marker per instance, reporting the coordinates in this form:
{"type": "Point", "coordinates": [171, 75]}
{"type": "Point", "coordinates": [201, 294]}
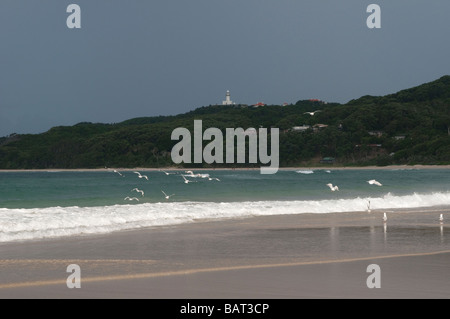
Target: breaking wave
{"type": "Point", "coordinates": [40, 223]}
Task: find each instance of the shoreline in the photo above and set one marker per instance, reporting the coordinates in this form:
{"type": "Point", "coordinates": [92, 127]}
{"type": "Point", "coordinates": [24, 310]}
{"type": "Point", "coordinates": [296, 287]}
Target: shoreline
{"type": "Point", "coordinates": [390, 167]}
{"type": "Point", "coordinates": [330, 219]}
{"type": "Point", "coordinates": [270, 257]}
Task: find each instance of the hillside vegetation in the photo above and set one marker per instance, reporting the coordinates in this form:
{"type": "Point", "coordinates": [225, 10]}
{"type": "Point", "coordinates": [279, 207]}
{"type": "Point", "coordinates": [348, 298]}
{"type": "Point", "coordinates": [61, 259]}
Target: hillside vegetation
{"type": "Point", "coordinates": [408, 127]}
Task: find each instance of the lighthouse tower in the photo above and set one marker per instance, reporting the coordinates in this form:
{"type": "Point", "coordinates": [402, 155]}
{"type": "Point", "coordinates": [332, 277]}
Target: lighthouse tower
{"type": "Point", "coordinates": [227, 99]}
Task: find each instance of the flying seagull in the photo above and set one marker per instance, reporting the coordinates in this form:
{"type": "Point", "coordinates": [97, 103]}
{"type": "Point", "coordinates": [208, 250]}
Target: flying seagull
{"type": "Point", "coordinates": [138, 190]}
{"type": "Point", "coordinates": [167, 196]}
{"type": "Point", "coordinates": [131, 198]}
{"type": "Point", "coordinates": [374, 182]}
{"type": "Point", "coordinates": [312, 113]}
{"type": "Point", "coordinates": [186, 181]}
{"type": "Point", "coordinates": [191, 174]}
{"type": "Point", "coordinates": [333, 188]}
{"type": "Point", "coordinates": [211, 178]}
{"type": "Point", "coordinates": [141, 176]}
{"type": "Point", "coordinates": [115, 171]}
{"type": "Point", "coordinates": [167, 173]}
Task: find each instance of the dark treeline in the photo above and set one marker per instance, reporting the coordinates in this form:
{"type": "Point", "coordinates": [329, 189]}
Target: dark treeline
{"type": "Point", "coordinates": [409, 127]}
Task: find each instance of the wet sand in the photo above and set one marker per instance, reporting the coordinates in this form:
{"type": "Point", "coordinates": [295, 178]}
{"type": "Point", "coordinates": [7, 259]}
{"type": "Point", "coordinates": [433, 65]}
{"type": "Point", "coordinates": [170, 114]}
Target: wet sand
{"type": "Point", "coordinates": [274, 257]}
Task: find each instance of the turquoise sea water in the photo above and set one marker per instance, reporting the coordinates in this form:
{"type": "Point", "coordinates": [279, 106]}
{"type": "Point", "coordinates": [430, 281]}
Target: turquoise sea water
{"type": "Point", "coordinates": [47, 204]}
{"type": "Point", "coordinates": [49, 189]}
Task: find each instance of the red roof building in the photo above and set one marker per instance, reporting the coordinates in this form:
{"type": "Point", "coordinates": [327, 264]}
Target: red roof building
{"type": "Point", "coordinates": [259, 104]}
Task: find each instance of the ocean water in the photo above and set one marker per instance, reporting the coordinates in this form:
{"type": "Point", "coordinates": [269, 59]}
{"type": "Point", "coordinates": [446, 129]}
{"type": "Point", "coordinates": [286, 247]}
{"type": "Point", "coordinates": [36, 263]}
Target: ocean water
{"type": "Point", "coordinates": [37, 205]}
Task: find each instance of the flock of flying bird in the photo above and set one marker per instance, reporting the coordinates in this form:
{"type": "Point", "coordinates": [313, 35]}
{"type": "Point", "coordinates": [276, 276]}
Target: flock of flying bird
{"type": "Point", "coordinates": [375, 182]}
{"type": "Point", "coordinates": [332, 187]}
{"type": "Point", "coordinates": [186, 181]}
{"type": "Point", "coordinates": [371, 182]}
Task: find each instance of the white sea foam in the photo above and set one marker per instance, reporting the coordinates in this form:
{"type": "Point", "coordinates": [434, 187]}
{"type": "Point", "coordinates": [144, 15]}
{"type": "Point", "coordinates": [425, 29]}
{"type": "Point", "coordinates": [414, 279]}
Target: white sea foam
{"type": "Point", "coordinates": [305, 172]}
{"type": "Point", "coordinates": [38, 223]}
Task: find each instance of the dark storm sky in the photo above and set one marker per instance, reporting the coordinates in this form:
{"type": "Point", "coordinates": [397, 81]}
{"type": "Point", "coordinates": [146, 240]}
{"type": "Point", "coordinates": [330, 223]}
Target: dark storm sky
{"type": "Point", "coordinates": [136, 58]}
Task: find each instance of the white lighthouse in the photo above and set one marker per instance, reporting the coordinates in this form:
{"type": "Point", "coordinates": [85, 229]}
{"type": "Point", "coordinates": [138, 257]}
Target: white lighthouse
{"type": "Point", "coordinates": [227, 99]}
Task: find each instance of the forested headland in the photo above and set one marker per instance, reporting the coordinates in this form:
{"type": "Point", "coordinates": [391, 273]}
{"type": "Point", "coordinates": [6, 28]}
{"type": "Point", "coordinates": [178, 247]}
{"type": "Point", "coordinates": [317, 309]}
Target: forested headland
{"type": "Point", "coordinates": [409, 127]}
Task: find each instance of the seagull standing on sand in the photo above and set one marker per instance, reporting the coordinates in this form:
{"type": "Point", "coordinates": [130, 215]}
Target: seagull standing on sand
{"type": "Point", "coordinates": [141, 176]}
{"type": "Point", "coordinates": [384, 218]}
{"type": "Point", "coordinates": [441, 218]}
{"type": "Point", "coordinates": [368, 207]}
{"type": "Point", "coordinates": [131, 198]}
{"type": "Point", "coordinates": [138, 190]}
{"type": "Point", "coordinates": [333, 188]}
{"type": "Point", "coordinates": [166, 196]}
{"type": "Point", "coordinates": [374, 182]}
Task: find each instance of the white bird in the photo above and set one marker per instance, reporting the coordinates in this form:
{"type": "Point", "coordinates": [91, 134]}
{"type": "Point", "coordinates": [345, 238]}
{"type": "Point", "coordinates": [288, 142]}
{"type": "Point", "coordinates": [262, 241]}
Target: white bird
{"type": "Point", "coordinates": [138, 190]}
{"type": "Point", "coordinates": [333, 188]}
{"type": "Point", "coordinates": [211, 178]}
{"type": "Point", "coordinates": [374, 182]}
{"type": "Point", "coordinates": [198, 175]}
{"type": "Point", "coordinates": [312, 113]}
{"type": "Point", "coordinates": [167, 196]}
{"type": "Point", "coordinates": [191, 174]}
{"type": "Point", "coordinates": [384, 217]}
{"type": "Point", "coordinates": [441, 218]}
{"type": "Point", "coordinates": [368, 206]}
{"type": "Point", "coordinates": [186, 181]}
{"type": "Point", "coordinates": [115, 171]}
{"type": "Point", "coordinates": [167, 173]}
{"type": "Point", "coordinates": [131, 198]}
{"type": "Point", "coordinates": [141, 176]}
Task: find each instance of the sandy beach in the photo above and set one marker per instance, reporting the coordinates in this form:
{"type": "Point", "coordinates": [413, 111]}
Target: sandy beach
{"type": "Point", "coordinates": [274, 257]}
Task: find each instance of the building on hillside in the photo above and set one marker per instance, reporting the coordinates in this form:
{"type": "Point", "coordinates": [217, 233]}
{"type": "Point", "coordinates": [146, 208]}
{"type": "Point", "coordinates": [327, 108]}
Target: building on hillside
{"type": "Point", "coordinates": [317, 101]}
{"type": "Point", "coordinates": [258, 104]}
{"type": "Point", "coordinates": [301, 128]}
{"type": "Point", "coordinates": [318, 127]}
{"type": "Point", "coordinates": [227, 99]}
{"type": "Point", "coordinates": [376, 133]}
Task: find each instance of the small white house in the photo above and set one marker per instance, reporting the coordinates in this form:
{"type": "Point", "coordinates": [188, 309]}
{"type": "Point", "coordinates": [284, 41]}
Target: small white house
{"type": "Point", "coordinates": [301, 128]}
